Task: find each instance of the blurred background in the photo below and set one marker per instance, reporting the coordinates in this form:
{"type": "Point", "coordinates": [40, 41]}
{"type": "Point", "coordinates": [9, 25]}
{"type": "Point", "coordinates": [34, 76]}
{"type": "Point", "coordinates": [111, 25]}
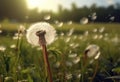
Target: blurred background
{"type": "Point", "coordinates": [62, 10]}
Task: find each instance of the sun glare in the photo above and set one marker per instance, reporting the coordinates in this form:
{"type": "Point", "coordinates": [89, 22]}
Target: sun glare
{"type": "Point", "coordinates": [42, 4]}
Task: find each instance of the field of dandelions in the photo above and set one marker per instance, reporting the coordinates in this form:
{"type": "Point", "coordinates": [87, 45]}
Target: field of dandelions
{"type": "Point", "coordinates": [76, 52]}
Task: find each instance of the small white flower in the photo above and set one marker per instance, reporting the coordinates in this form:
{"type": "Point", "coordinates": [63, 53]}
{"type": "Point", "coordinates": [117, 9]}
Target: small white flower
{"type": "Point", "coordinates": [33, 39]}
{"type": "Point", "coordinates": [92, 51]}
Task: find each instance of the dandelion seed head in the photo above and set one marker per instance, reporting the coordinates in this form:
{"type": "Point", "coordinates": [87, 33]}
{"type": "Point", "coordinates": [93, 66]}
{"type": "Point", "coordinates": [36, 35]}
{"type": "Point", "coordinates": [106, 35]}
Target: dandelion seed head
{"type": "Point", "coordinates": [33, 39]}
{"type": "Point", "coordinates": [92, 50]}
{"type": "Point", "coordinates": [84, 20]}
{"type": "Point", "coordinates": [67, 39]}
{"type": "Point", "coordinates": [100, 36]}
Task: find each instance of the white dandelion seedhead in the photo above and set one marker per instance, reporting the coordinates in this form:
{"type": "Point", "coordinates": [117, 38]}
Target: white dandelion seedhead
{"type": "Point", "coordinates": [92, 51]}
{"type": "Point", "coordinates": [84, 20]}
{"type": "Point", "coordinates": [33, 39]}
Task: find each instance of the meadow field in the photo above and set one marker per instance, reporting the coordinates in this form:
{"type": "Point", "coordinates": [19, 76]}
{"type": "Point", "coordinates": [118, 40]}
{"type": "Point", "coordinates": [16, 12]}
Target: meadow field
{"type": "Point", "coordinates": [22, 62]}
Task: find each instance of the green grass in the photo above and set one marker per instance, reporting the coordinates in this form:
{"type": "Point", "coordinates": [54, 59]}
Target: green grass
{"type": "Point", "coordinates": [26, 62]}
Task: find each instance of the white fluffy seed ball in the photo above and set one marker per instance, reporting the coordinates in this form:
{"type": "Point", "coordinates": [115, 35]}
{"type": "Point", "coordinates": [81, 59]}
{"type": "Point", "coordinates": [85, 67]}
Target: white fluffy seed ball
{"type": "Point", "coordinates": [33, 39]}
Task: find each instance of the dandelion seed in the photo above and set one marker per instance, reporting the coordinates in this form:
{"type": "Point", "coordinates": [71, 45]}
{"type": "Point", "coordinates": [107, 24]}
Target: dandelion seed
{"type": "Point", "coordinates": [112, 18]}
{"type": "Point", "coordinates": [60, 24]}
{"type": "Point", "coordinates": [16, 37]}
{"type": "Point", "coordinates": [72, 44]}
{"type": "Point", "coordinates": [13, 46]}
{"type": "Point", "coordinates": [100, 36]}
{"type": "Point", "coordinates": [92, 50]}
{"type": "Point", "coordinates": [70, 32]}
{"type": "Point", "coordinates": [47, 17]}
{"type": "Point", "coordinates": [76, 60]}
{"type": "Point", "coordinates": [2, 48]}
{"type": "Point", "coordinates": [101, 30]}
{"type": "Point", "coordinates": [79, 76]}
{"type": "Point", "coordinates": [33, 39]}
{"type": "Point", "coordinates": [95, 36]}
{"type": "Point", "coordinates": [84, 20]}
{"type": "Point", "coordinates": [56, 21]}
{"type": "Point", "coordinates": [95, 30]}
{"type": "Point", "coordinates": [67, 39]}
{"type": "Point", "coordinates": [69, 22]}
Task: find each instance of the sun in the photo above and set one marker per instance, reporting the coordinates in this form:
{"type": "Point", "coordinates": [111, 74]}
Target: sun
{"type": "Point", "coordinates": [42, 4]}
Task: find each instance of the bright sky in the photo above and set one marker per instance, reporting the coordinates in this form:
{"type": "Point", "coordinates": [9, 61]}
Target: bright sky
{"type": "Point", "coordinates": [53, 4]}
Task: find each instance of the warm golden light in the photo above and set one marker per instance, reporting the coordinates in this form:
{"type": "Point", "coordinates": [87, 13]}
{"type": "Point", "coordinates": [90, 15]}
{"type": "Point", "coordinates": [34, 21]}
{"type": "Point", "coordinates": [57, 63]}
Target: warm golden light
{"type": "Point", "coordinates": [42, 4]}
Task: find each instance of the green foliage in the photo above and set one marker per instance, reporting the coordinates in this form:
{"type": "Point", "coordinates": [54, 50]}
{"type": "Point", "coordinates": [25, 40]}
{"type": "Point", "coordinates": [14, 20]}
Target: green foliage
{"type": "Point", "coordinates": [25, 62]}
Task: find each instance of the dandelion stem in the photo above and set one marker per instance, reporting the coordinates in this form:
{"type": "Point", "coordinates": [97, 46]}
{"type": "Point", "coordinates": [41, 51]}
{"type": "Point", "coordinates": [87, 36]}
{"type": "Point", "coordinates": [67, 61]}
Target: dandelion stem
{"type": "Point", "coordinates": [42, 43]}
{"type": "Point", "coordinates": [96, 68]}
{"type": "Point", "coordinates": [47, 62]}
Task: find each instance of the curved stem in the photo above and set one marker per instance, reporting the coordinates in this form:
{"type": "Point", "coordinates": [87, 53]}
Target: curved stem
{"type": "Point", "coordinates": [47, 65]}
{"type": "Point", "coordinates": [96, 68]}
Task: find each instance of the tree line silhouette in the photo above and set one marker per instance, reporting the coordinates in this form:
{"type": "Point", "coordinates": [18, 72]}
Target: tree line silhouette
{"type": "Point", "coordinates": [17, 11]}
